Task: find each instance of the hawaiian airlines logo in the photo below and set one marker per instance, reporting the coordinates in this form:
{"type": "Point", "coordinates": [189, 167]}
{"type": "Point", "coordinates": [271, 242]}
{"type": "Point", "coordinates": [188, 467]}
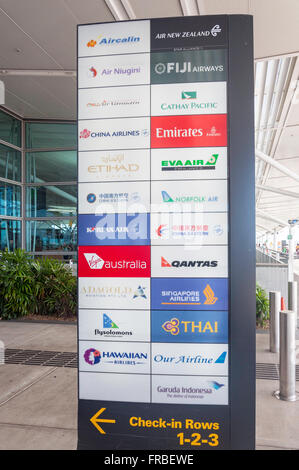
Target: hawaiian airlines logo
{"type": "Point", "coordinates": [94, 261]}
{"type": "Point", "coordinates": [92, 356]}
{"type": "Point", "coordinates": [188, 264]}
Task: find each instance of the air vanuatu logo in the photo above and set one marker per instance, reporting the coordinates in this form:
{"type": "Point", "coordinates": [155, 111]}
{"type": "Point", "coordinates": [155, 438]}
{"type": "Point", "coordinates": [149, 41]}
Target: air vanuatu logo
{"type": "Point", "coordinates": [190, 165]}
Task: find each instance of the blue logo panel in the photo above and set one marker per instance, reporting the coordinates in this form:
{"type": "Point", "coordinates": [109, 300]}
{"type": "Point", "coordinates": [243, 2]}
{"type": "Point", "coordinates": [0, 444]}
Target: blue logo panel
{"type": "Point", "coordinates": [189, 294]}
{"type": "Point", "coordinates": [189, 327]}
{"type": "Point", "coordinates": [114, 229]}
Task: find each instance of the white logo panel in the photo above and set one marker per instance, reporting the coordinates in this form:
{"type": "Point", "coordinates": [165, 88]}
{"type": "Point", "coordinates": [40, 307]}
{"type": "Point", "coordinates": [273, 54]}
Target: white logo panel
{"type": "Point", "coordinates": [109, 38]}
{"type": "Point", "coordinates": [114, 293]}
{"type": "Point", "coordinates": [189, 228]}
{"type": "Point", "coordinates": [114, 325]}
{"type": "Point", "coordinates": [189, 261]}
{"type": "Point", "coordinates": [115, 102]}
{"type": "Point", "coordinates": [119, 165]}
{"type": "Point", "coordinates": [190, 390]}
{"type": "Point", "coordinates": [107, 387]}
{"type": "Point", "coordinates": [109, 198]}
{"type": "Point", "coordinates": [189, 196]}
{"type": "Point", "coordinates": [189, 98]}
{"type": "Point", "coordinates": [189, 359]}
{"type": "Point", "coordinates": [196, 163]}
{"type": "Point", "coordinates": [111, 71]}
{"type": "Point", "coordinates": [114, 134]}
{"type": "Point", "coordinates": [118, 357]}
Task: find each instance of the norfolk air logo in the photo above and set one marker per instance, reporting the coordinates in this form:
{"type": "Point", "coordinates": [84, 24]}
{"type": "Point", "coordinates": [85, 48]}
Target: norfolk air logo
{"type": "Point", "coordinates": [188, 199]}
{"type": "Point", "coordinates": [173, 326]}
{"type": "Point", "coordinates": [189, 165]}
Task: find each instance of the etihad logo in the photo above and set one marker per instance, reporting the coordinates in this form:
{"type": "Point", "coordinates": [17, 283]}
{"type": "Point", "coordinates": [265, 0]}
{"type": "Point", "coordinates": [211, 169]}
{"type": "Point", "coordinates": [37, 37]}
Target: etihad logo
{"type": "Point", "coordinates": [186, 199]}
{"type": "Point", "coordinates": [188, 264]}
{"type": "Point", "coordinates": [186, 165]}
{"type": "Point", "coordinates": [95, 262]}
{"type": "Point", "coordinates": [113, 164]}
{"type": "Point", "coordinates": [185, 67]}
{"type": "Point", "coordinates": [85, 134]}
{"type": "Point", "coordinates": [189, 297]}
{"type": "Point", "coordinates": [108, 41]}
{"type": "Point", "coordinates": [173, 326]}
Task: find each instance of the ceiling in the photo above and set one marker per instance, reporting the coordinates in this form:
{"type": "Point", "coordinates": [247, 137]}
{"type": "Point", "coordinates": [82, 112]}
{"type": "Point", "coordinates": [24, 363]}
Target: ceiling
{"type": "Point", "coordinates": [41, 35]}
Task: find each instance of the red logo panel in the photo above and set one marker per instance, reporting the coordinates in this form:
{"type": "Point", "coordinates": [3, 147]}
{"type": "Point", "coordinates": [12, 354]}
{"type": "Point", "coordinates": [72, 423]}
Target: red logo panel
{"type": "Point", "coordinates": [189, 131]}
{"type": "Point", "coordinates": [114, 261]}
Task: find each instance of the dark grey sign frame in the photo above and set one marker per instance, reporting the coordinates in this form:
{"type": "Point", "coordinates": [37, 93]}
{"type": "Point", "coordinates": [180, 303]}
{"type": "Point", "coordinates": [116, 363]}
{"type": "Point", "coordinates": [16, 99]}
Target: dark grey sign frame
{"type": "Point", "coordinates": [239, 415]}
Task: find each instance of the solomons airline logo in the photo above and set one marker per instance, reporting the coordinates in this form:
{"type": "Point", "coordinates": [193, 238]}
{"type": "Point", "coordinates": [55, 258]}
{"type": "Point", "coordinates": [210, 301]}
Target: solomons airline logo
{"type": "Point", "coordinates": [188, 264]}
{"type": "Point", "coordinates": [183, 165]}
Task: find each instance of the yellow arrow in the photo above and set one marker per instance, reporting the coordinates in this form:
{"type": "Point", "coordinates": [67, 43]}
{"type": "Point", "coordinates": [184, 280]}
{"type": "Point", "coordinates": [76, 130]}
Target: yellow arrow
{"type": "Point", "coordinates": [95, 420]}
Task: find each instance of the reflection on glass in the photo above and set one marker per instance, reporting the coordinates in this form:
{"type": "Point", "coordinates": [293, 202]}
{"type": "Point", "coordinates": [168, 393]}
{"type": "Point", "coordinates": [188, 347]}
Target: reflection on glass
{"type": "Point", "coordinates": [10, 163]}
{"type": "Point", "coordinates": [51, 235]}
{"type": "Point", "coordinates": [10, 129]}
{"type": "Point", "coordinates": [10, 234]}
{"type": "Point", "coordinates": [10, 199]}
{"type": "Point", "coordinates": [51, 166]}
{"type": "Point", "coordinates": [50, 135]}
{"type": "Point", "coordinates": [51, 201]}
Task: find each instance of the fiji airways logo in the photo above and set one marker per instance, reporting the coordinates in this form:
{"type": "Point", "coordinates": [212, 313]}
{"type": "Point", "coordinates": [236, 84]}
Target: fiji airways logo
{"type": "Point", "coordinates": [108, 41]}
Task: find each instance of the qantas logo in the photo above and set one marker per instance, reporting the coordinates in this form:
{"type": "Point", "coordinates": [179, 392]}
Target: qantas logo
{"type": "Point", "coordinates": [188, 264]}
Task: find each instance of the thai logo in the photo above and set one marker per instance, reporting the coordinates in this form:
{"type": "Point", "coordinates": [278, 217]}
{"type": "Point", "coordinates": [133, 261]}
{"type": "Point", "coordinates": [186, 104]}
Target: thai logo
{"type": "Point", "coordinates": [92, 356]}
{"type": "Point", "coordinates": [84, 134]}
{"type": "Point", "coordinates": [108, 323]}
{"type": "Point", "coordinates": [94, 261]}
{"type": "Point", "coordinates": [188, 95]}
{"type": "Point", "coordinates": [215, 30]}
{"type": "Point", "coordinates": [139, 292]}
{"type": "Point", "coordinates": [210, 296]}
{"type": "Point", "coordinates": [172, 326]}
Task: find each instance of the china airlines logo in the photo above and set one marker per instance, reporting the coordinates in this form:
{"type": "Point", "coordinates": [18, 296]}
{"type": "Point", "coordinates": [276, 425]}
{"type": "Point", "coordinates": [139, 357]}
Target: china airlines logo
{"type": "Point", "coordinates": [84, 134]}
{"type": "Point", "coordinates": [94, 261]}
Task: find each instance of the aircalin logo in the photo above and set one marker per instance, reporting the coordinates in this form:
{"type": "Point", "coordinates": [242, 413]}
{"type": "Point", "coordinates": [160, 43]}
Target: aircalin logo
{"type": "Point", "coordinates": [107, 41]}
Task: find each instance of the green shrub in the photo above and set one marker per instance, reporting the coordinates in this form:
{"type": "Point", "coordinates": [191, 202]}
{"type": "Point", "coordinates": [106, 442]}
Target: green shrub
{"type": "Point", "coordinates": [30, 286]}
{"type": "Point", "coordinates": [262, 307]}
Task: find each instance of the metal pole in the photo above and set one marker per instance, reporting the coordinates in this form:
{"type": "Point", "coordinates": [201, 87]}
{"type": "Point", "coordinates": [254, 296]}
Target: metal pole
{"type": "Point", "coordinates": [292, 297]}
{"type": "Point", "coordinates": [291, 255]}
{"type": "Point", "coordinates": [274, 300]}
{"type": "Point", "coordinates": [287, 359]}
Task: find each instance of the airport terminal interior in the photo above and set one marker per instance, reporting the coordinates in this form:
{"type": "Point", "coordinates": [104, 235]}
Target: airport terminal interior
{"type": "Point", "coordinates": [39, 198]}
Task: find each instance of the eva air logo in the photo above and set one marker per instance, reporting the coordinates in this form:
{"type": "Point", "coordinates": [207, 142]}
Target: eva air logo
{"type": "Point", "coordinates": [108, 323]}
{"type": "Point", "coordinates": [188, 95]}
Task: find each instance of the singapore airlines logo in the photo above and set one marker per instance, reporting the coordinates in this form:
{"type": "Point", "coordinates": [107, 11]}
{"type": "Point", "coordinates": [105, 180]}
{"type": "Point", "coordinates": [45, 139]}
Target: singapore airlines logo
{"type": "Point", "coordinates": [210, 297]}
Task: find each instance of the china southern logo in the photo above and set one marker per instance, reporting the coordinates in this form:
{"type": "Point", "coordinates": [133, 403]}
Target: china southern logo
{"type": "Point", "coordinates": [173, 326]}
{"type": "Point", "coordinates": [108, 41]}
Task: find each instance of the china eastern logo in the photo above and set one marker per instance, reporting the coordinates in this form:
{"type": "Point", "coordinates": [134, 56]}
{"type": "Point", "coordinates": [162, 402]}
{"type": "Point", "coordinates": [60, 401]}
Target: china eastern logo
{"type": "Point", "coordinates": [175, 326]}
{"type": "Point", "coordinates": [190, 165]}
{"type": "Point", "coordinates": [108, 41]}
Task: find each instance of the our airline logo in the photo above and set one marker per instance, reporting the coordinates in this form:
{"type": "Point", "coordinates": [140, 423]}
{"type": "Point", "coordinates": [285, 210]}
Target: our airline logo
{"type": "Point", "coordinates": [189, 131]}
{"type": "Point", "coordinates": [189, 327]}
{"type": "Point", "coordinates": [117, 261]}
{"type": "Point", "coordinates": [189, 294]}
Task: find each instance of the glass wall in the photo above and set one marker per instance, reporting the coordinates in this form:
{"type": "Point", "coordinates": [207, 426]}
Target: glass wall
{"type": "Point", "coordinates": [10, 182]}
{"type": "Point", "coordinates": [38, 190]}
{"type": "Point", "coordinates": [51, 189]}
